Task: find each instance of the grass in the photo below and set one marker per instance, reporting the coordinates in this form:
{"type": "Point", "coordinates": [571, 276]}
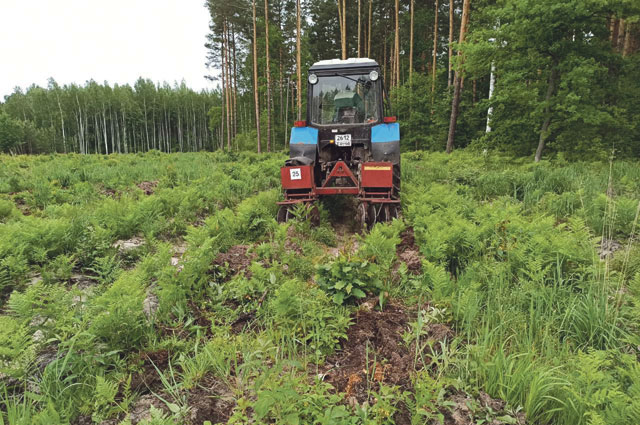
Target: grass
{"type": "Point", "coordinates": [510, 263]}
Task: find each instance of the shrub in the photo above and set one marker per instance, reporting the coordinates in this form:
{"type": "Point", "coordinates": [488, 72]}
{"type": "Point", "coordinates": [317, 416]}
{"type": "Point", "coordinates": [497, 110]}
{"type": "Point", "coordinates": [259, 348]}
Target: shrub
{"type": "Point", "coordinates": [7, 210]}
{"type": "Point", "coordinates": [347, 279]}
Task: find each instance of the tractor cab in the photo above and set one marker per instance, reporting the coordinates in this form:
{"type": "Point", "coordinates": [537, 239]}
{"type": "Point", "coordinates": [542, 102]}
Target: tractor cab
{"type": "Point", "coordinates": [344, 139]}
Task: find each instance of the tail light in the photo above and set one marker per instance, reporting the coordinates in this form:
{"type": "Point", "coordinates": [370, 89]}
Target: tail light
{"type": "Point", "coordinates": [389, 120]}
{"type": "Point", "coordinates": [300, 124]}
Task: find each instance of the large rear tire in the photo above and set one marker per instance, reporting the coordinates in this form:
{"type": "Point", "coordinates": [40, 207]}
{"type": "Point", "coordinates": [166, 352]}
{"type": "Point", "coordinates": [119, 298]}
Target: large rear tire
{"type": "Point", "coordinates": [362, 217]}
{"type": "Point", "coordinates": [282, 214]}
{"type": "Point", "coordinates": [314, 215]}
{"type": "Point", "coordinates": [397, 178]}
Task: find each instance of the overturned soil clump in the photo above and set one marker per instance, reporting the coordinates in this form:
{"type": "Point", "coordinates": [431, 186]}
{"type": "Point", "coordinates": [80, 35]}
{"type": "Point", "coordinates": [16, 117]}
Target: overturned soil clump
{"type": "Point", "coordinates": [408, 252]}
{"type": "Point", "coordinates": [232, 262]}
{"type": "Point", "coordinates": [375, 352]}
{"type": "Point", "coordinates": [210, 400]}
{"type": "Point", "coordinates": [148, 187]}
{"type": "Point", "coordinates": [372, 353]}
{"type": "Point", "coordinates": [148, 378]}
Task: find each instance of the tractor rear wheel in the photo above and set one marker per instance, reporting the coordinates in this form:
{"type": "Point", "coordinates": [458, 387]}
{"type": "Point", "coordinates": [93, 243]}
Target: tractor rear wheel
{"type": "Point", "coordinates": [282, 214]}
{"type": "Point", "coordinates": [314, 215]}
{"type": "Point", "coordinates": [362, 216]}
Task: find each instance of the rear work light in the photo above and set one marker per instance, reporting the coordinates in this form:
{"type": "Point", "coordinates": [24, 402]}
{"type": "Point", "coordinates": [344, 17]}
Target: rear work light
{"type": "Point", "coordinates": [300, 124]}
{"type": "Point", "coordinates": [389, 120]}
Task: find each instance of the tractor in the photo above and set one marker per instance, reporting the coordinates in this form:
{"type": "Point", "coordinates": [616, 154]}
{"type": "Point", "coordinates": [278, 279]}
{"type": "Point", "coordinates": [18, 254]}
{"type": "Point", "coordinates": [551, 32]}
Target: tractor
{"type": "Point", "coordinates": [347, 145]}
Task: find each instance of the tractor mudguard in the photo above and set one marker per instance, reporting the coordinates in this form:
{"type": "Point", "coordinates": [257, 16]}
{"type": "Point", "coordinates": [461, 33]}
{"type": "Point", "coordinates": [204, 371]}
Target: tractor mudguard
{"type": "Point", "coordinates": [304, 143]}
{"type": "Point", "coordinates": [385, 143]}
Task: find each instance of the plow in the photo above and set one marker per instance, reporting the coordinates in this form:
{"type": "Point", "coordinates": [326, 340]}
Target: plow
{"type": "Point", "coordinates": [348, 145]}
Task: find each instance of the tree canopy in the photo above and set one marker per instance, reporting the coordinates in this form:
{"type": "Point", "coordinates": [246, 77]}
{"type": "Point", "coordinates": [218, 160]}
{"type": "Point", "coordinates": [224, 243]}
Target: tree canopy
{"type": "Point", "coordinates": [566, 74]}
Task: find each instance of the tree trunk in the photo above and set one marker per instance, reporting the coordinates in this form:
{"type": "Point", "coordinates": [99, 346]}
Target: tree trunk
{"type": "Point", "coordinates": [266, 25]}
{"type": "Point", "coordinates": [281, 78]}
{"type": "Point", "coordinates": [341, 25]}
{"type": "Point", "coordinates": [435, 53]}
{"type": "Point", "coordinates": [225, 90]}
{"type": "Point", "coordinates": [146, 128]}
{"type": "Point", "coordinates": [64, 137]}
{"type": "Point", "coordinates": [626, 49]}
{"type": "Point", "coordinates": [411, 48]}
{"type": "Point", "coordinates": [344, 29]}
{"type": "Point", "coordinates": [450, 42]}
{"type": "Point", "coordinates": [230, 90]}
{"type": "Point", "coordinates": [359, 27]}
{"type": "Point", "coordinates": [397, 44]}
{"type": "Point", "coordinates": [104, 129]}
{"type": "Point", "coordinates": [255, 75]}
{"type": "Point", "coordinates": [621, 31]}
{"type": "Point", "coordinates": [492, 85]}
{"type": "Point", "coordinates": [286, 113]}
{"type": "Point", "coordinates": [369, 29]}
{"type": "Point", "coordinates": [124, 131]}
{"type": "Point", "coordinates": [384, 60]}
{"type": "Point", "coordinates": [548, 114]}
{"type": "Point", "coordinates": [235, 83]}
{"type": "Point", "coordinates": [298, 59]}
{"type": "Point", "coordinates": [457, 84]}
{"type": "Point", "coordinates": [613, 32]}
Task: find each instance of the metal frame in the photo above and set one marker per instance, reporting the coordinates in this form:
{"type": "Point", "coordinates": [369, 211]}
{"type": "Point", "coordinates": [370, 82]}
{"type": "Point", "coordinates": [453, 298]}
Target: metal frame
{"type": "Point", "coordinates": [340, 170]}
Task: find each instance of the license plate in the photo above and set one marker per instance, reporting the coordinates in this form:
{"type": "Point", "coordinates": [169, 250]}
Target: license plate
{"type": "Point", "coordinates": [343, 140]}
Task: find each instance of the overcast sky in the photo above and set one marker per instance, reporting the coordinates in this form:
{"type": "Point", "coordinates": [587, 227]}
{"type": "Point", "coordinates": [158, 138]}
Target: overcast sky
{"type": "Point", "coordinates": [113, 40]}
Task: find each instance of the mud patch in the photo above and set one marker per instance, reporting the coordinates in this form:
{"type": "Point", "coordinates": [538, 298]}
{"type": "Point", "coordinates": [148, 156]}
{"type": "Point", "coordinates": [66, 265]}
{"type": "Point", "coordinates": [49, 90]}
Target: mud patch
{"type": "Point", "coordinates": [148, 187]}
{"type": "Point", "coordinates": [149, 379]}
{"type": "Point", "coordinates": [236, 260]}
{"type": "Point", "coordinates": [408, 252]}
{"type": "Point", "coordinates": [111, 193]}
{"type": "Point", "coordinates": [373, 352]}
{"type": "Point", "coordinates": [211, 401]}
{"type": "Point", "coordinates": [242, 321]}
{"type": "Point", "coordinates": [21, 204]}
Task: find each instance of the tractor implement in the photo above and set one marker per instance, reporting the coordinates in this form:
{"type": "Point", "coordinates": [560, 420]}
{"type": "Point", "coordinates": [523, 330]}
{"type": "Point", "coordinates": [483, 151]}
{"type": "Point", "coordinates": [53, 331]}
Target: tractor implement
{"type": "Point", "coordinates": [346, 146]}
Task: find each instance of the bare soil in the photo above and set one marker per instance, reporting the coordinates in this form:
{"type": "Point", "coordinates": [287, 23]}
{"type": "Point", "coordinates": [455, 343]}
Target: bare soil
{"type": "Point", "coordinates": [148, 187]}
{"type": "Point", "coordinates": [149, 379]}
{"type": "Point", "coordinates": [111, 193]}
{"type": "Point", "coordinates": [211, 401]}
{"type": "Point", "coordinates": [373, 353]}
{"type": "Point", "coordinates": [408, 252]}
{"type": "Point", "coordinates": [234, 261]}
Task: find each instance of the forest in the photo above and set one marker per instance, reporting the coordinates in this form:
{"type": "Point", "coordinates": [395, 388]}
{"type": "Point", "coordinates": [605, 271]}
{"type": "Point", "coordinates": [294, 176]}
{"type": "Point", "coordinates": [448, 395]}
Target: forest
{"type": "Point", "coordinates": [526, 77]}
{"type": "Point", "coordinates": [147, 275]}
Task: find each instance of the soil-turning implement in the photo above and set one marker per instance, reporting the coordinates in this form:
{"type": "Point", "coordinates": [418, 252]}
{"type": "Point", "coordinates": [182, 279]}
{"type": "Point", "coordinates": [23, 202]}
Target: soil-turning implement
{"type": "Point", "coordinates": [348, 144]}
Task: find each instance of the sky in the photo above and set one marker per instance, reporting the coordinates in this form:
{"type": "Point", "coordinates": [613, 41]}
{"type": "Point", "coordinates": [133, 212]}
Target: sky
{"type": "Point", "coordinates": [114, 40]}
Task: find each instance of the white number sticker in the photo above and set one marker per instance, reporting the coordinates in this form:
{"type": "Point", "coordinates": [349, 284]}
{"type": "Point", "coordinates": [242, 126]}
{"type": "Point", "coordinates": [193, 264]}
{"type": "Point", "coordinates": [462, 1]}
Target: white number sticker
{"type": "Point", "coordinates": [343, 140]}
{"type": "Point", "coordinates": [295, 174]}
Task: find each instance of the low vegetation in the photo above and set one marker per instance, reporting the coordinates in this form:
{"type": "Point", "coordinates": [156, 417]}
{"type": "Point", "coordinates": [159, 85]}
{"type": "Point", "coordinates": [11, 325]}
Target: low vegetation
{"type": "Point", "coordinates": [158, 289]}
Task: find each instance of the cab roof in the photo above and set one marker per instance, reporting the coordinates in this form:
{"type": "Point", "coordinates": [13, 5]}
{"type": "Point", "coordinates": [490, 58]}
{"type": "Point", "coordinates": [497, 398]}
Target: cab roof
{"type": "Point", "coordinates": [343, 64]}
